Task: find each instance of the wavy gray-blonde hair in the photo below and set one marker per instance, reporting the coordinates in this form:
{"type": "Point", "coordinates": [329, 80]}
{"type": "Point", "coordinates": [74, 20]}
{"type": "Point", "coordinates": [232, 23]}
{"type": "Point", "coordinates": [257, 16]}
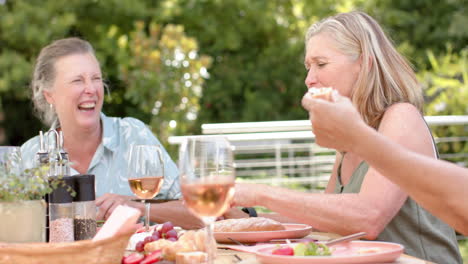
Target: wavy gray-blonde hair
{"type": "Point", "coordinates": [386, 77]}
{"type": "Point", "coordinates": [44, 73]}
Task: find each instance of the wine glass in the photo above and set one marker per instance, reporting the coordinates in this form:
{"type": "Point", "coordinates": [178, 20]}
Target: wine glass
{"type": "Point", "coordinates": [10, 160]}
{"type": "Point", "coordinates": [207, 180]}
{"type": "Point", "coordinates": [145, 174]}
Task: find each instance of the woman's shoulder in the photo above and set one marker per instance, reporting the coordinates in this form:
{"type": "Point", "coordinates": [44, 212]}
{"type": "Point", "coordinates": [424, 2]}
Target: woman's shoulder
{"type": "Point", "coordinates": [125, 124]}
{"type": "Point", "coordinates": [402, 108]}
{"type": "Point", "coordinates": [403, 120]}
{"type": "Point", "coordinates": [401, 113]}
{"type": "Point", "coordinates": [129, 128]}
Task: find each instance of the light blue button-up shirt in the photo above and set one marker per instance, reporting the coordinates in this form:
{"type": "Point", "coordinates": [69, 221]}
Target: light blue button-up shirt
{"type": "Point", "coordinates": [110, 161]}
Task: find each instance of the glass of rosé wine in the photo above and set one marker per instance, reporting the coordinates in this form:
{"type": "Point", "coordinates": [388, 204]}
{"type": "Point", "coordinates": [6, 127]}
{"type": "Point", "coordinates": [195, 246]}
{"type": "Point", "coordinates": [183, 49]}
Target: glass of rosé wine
{"type": "Point", "coordinates": [207, 178]}
{"type": "Point", "coordinates": [145, 174]}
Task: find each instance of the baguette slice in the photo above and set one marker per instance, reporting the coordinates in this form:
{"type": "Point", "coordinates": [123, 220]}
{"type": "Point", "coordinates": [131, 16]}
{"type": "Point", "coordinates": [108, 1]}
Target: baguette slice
{"type": "Point", "coordinates": [248, 224]}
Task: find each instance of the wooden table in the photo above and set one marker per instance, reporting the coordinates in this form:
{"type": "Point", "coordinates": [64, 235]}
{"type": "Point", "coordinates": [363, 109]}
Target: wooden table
{"type": "Point", "coordinates": [228, 256]}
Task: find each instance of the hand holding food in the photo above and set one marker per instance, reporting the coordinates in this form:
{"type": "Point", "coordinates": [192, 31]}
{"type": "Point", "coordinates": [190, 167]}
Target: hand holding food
{"type": "Point", "coordinates": [325, 93]}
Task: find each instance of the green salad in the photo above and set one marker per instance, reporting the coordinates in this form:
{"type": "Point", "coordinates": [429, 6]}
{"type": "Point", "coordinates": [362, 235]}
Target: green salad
{"type": "Point", "coordinates": [311, 249]}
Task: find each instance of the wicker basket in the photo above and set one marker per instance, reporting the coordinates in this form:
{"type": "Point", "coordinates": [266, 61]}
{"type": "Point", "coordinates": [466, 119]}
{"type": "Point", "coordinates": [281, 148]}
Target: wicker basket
{"type": "Point", "coordinates": [106, 251]}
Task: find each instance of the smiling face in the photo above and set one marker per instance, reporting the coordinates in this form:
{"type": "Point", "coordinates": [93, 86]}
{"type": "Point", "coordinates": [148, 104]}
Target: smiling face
{"type": "Point", "coordinates": [328, 67]}
{"type": "Point", "coordinates": [77, 91]}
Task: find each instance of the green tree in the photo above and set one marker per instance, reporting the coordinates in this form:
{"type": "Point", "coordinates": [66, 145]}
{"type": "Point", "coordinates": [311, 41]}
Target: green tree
{"type": "Point", "coordinates": [163, 74]}
{"type": "Point", "coordinates": [446, 89]}
{"type": "Point", "coordinates": [418, 25]}
{"type": "Point", "coordinates": [257, 47]}
{"type": "Point", "coordinates": [257, 50]}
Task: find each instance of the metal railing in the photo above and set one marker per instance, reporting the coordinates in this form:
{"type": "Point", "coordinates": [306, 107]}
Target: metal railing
{"type": "Point", "coordinates": [285, 153]}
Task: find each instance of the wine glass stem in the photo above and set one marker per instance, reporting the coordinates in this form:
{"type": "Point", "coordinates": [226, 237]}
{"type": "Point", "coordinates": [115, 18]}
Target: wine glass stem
{"type": "Point", "coordinates": [147, 215]}
{"type": "Point", "coordinates": [210, 243]}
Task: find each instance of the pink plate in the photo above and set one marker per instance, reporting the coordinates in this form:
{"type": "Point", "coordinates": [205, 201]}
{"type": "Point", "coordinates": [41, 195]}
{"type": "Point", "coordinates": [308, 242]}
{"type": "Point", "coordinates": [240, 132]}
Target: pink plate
{"type": "Point", "coordinates": [292, 231]}
{"type": "Point", "coordinates": [357, 252]}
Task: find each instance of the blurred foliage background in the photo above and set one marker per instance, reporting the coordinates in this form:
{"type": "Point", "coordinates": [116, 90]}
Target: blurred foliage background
{"type": "Point", "coordinates": [176, 64]}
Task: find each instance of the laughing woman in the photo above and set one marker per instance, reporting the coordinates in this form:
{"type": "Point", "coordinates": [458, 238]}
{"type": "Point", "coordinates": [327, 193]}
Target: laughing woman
{"type": "Point", "coordinates": [68, 93]}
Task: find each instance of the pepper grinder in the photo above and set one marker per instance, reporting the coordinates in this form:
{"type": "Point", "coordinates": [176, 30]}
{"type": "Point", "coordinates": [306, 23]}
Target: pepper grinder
{"type": "Point", "coordinates": [84, 207]}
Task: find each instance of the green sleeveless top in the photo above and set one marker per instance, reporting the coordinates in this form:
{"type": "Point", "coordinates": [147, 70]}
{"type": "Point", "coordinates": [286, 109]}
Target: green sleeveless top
{"type": "Point", "coordinates": [422, 234]}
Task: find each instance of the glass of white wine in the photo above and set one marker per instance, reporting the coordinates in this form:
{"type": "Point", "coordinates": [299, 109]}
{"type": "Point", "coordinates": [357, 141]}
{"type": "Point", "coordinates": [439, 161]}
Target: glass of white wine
{"type": "Point", "coordinates": [207, 178]}
{"type": "Point", "coordinates": [145, 174]}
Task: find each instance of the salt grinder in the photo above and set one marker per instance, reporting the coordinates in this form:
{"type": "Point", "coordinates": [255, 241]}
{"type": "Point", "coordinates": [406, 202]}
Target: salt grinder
{"type": "Point", "coordinates": [61, 210]}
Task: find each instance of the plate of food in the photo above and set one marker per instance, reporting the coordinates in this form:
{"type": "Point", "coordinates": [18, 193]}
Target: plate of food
{"type": "Point", "coordinates": [257, 229]}
{"type": "Point", "coordinates": [357, 252]}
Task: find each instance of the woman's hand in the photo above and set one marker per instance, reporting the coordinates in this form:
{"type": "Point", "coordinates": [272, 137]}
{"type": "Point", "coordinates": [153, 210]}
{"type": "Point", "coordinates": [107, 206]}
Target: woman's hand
{"type": "Point", "coordinates": [335, 123]}
{"type": "Point", "coordinates": [234, 212]}
{"type": "Point", "coordinates": [109, 201]}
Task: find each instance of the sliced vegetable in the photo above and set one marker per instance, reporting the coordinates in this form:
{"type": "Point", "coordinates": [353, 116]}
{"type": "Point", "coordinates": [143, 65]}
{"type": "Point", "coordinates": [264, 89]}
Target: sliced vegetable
{"type": "Point", "coordinates": [286, 251]}
{"type": "Point", "coordinates": [311, 249]}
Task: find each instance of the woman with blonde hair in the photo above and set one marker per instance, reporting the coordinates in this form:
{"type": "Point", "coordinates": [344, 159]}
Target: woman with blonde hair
{"type": "Point", "coordinates": [351, 54]}
{"type": "Point", "coordinates": [68, 95]}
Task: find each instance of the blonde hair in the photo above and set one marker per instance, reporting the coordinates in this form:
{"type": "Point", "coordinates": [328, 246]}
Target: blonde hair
{"type": "Point", "coordinates": [386, 77]}
{"type": "Point", "coordinates": [44, 73]}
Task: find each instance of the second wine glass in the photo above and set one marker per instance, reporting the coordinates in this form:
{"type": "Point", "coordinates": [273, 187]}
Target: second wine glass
{"type": "Point", "coordinates": [145, 174]}
{"type": "Point", "coordinates": [207, 180]}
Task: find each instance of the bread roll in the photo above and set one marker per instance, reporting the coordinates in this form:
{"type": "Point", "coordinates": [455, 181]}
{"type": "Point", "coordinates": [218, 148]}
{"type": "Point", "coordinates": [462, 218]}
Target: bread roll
{"type": "Point", "coordinates": [191, 257]}
{"type": "Point", "coordinates": [248, 224]}
{"type": "Point", "coordinates": [190, 241]}
{"type": "Point", "coordinates": [322, 93]}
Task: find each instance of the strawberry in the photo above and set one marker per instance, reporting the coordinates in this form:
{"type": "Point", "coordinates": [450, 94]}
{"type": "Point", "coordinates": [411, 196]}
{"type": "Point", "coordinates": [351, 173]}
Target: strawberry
{"type": "Point", "coordinates": [286, 251]}
{"type": "Point", "coordinates": [153, 257]}
{"type": "Point", "coordinates": [133, 258]}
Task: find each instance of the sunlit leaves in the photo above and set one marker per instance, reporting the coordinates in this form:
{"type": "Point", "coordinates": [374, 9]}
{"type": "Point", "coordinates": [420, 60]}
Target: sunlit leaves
{"type": "Point", "coordinates": [446, 88]}
{"type": "Point", "coordinates": [163, 73]}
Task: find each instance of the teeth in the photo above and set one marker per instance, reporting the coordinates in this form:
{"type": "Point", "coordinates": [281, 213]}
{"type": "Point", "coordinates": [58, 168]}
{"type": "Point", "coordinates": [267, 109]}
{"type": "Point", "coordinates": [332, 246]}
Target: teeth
{"type": "Point", "coordinates": [87, 105]}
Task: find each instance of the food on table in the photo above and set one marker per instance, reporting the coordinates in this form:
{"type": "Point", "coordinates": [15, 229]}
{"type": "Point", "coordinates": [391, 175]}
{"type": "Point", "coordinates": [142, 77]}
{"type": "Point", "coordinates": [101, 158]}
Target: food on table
{"type": "Point", "coordinates": [285, 251]}
{"type": "Point", "coordinates": [322, 93]}
{"type": "Point", "coordinates": [191, 257]}
{"type": "Point", "coordinates": [248, 224]}
{"type": "Point", "coordinates": [311, 249]}
{"type": "Point", "coordinates": [164, 232]}
{"type": "Point", "coordinates": [136, 258]}
{"type": "Point", "coordinates": [190, 241]}
{"type": "Point", "coordinates": [303, 249]}
{"type": "Point", "coordinates": [133, 258]}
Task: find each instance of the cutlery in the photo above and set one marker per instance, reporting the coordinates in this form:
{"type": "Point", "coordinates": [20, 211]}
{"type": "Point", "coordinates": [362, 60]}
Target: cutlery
{"type": "Point", "coordinates": [327, 243]}
{"type": "Point", "coordinates": [343, 239]}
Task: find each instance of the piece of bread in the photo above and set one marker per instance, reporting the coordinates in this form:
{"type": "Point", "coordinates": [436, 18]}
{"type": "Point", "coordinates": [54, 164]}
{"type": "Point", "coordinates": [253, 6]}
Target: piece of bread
{"type": "Point", "coordinates": [248, 224]}
{"type": "Point", "coordinates": [322, 93]}
{"type": "Point", "coordinates": [190, 241]}
{"type": "Point", "coordinates": [191, 257]}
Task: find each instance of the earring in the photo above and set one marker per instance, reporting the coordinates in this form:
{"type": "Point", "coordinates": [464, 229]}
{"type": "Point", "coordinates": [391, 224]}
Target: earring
{"type": "Point", "coordinates": [51, 106]}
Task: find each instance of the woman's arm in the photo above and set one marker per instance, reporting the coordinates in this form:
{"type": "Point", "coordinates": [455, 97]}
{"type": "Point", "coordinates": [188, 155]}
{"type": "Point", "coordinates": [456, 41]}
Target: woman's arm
{"type": "Point", "coordinates": [173, 211]}
{"type": "Point", "coordinates": [438, 186]}
{"type": "Point", "coordinates": [370, 210]}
